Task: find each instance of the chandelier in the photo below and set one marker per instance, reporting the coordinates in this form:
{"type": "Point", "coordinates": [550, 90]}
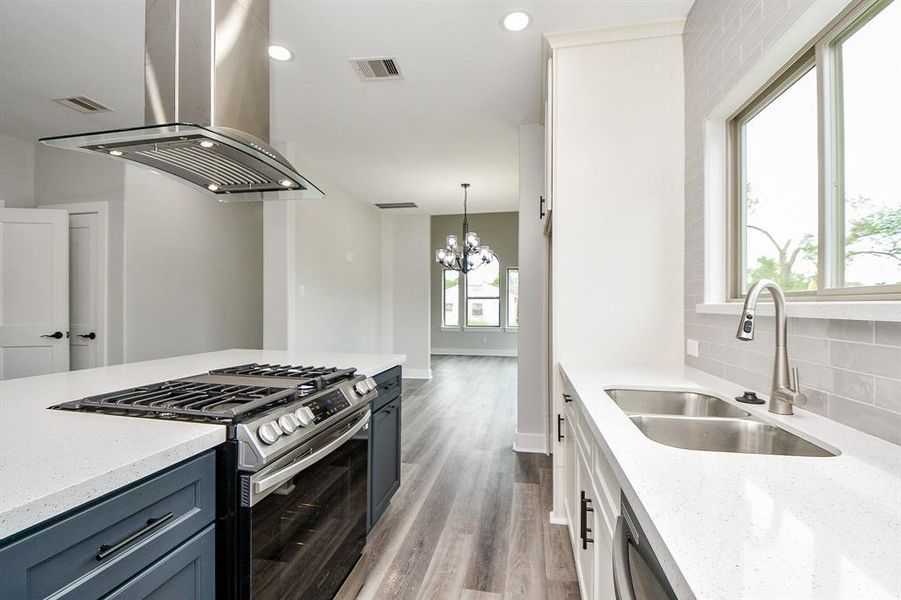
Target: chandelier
{"type": "Point", "coordinates": [467, 256]}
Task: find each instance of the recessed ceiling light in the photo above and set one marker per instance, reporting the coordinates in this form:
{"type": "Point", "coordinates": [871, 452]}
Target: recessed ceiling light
{"type": "Point", "coordinates": [212, 187]}
{"type": "Point", "coordinates": [280, 53]}
{"type": "Point", "coordinates": [516, 20]}
{"type": "Point", "coordinates": [116, 152]}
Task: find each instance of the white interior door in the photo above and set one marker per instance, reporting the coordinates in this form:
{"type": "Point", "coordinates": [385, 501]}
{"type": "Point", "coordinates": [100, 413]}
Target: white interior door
{"type": "Point", "coordinates": [34, 292]}
{"type": "Point", "coordinates": [85, 343]}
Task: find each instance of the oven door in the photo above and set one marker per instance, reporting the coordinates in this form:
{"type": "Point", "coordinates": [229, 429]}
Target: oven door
{"type": "Point", "coordinates": [306, 515]}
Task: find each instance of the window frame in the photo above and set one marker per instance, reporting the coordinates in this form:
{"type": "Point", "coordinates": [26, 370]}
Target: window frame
{"type": "Point", "coordinates": [821, 53]}
{"type": "Point", "coordinates": [507, 324]}
{"type": "Point", "coordinates": [443, 294]}
{"type": "Point", "coordinates": [501, 290]}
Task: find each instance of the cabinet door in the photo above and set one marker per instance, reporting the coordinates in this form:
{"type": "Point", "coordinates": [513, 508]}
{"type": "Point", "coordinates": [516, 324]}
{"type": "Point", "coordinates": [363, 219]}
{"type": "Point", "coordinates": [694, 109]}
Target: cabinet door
{"type": "Point", "coordinates": [570, 479]}
{"type": "Point", "coordinates": [384, 457]}
{"type": "Point", "coordinates": [602, 534]}
{"type": "Point", "coordinates": [187, 573]}
{"type": "Point", "coordinates": [586, 527]}
{"type": "Point", "coordinates": [549, 138]}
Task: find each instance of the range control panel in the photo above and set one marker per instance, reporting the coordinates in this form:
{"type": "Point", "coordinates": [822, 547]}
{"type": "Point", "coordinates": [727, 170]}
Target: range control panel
{"type": "Point", "coordinates": [327, 405]}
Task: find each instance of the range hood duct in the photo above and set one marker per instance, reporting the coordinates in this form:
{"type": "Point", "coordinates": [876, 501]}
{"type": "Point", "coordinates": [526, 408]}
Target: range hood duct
{"type": "Point", "coordinates": [206, 104]}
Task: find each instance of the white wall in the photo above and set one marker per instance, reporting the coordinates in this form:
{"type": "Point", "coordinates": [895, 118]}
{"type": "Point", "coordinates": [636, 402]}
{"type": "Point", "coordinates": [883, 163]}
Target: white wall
{"type": "Point", "coordinates": [337, 269]}
{"type": "Point", "coordinates": [16, 172]}
{"type": "Point", "coordinates": [407, 258]}
{"type": "Point", "coordinates": [531, 407]}
{"type": "Point", "coordinates": [618, 203]}
{"type": "Point", "coordinates": [193, 270]}
{"type": "Point", "coordinates": [64, 176]}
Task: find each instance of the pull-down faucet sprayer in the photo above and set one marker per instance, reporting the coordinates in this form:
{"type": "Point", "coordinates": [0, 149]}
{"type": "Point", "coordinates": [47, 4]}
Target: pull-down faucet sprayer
{"type": "Point", "coordinates": [786, 387]}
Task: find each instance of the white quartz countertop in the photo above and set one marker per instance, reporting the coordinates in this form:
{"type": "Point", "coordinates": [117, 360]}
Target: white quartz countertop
{"type": "Point", "coordinates": [733, 526]}
{"type": "Point", "coordinates": [53, 460]}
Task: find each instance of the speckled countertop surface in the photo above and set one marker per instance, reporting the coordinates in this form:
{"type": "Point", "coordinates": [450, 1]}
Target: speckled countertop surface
{"type": "Point", "coordinates": [736, 526]}
{"type": "Point", "coordinates": [52, 461]}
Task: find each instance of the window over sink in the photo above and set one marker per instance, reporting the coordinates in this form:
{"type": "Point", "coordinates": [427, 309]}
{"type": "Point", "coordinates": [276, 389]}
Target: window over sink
{"type": "Point", "coordinates": [815, 201]}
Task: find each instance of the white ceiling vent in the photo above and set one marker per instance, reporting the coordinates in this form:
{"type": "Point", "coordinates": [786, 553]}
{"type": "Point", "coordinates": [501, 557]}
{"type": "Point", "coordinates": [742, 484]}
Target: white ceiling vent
{"type": "Point", "coordinates": [381, 68]}
{"type": "Point", "coordinates": [388, 205]}
{"type": "Point", "coordinates": [83, 104]}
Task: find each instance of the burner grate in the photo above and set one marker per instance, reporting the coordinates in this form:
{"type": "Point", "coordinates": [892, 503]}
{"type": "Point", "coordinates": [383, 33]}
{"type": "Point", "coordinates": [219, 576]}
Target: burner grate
{"type": "Point", "coordinates": [181, 398]}
{"type": "Point", "coordinates": [316, 378]}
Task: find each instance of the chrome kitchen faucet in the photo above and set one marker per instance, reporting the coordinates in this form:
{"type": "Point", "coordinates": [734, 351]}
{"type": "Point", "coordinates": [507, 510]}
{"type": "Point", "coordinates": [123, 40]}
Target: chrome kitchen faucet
{"type": "Point", "coordinates": [786, 387]}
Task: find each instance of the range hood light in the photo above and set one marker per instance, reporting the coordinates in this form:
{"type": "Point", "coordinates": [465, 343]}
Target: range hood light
{"type": "Point", "coordinates": [286, 183]}
{"type": "Point", "coordinates": [116, 152]}
{"type": "Point", "coordinates": [212, 187]}
{"type": "Point", "coordinates": [207, 144]}
{"type": "Point", "coordinates": [280, 53]}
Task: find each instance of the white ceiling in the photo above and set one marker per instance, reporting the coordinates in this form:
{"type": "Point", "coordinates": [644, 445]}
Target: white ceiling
{"type": "Point", "coordinates": [59, 48]}
{"type": "Point", "coordinates": [467, 84]}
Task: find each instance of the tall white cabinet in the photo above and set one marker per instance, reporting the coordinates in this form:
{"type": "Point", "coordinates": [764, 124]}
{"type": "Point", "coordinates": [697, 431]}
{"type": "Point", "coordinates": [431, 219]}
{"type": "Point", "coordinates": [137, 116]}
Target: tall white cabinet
{"type": "Point", "coordinates": [614, 184]}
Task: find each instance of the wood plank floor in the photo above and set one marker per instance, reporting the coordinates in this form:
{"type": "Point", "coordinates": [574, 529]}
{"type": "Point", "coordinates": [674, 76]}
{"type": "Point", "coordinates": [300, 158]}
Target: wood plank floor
{"type": "Point", "coordinates": [470, 520]}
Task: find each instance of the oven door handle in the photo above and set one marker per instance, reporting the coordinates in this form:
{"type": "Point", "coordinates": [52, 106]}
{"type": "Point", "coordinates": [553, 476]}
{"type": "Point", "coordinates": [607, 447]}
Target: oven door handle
{"type": "Point", "coordinates": [269, 482]}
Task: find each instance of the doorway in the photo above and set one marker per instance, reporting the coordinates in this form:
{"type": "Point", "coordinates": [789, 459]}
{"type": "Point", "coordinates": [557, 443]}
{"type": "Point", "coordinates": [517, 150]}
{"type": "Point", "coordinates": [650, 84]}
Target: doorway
{"type": "Point", "coordinates": [53, 288]}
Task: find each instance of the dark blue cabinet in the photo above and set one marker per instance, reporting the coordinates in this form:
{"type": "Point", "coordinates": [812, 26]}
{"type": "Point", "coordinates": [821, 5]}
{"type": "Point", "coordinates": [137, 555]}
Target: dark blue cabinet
{"type": "Point", "coordinates": [385, 443]}
{"type": "Point", "coordinates": [95, 549]}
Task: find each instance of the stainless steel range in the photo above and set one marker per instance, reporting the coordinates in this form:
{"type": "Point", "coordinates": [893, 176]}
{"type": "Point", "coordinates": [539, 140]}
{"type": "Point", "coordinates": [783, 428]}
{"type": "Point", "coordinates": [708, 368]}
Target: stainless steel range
{"type": "Point", "coordinates": [292, 477]}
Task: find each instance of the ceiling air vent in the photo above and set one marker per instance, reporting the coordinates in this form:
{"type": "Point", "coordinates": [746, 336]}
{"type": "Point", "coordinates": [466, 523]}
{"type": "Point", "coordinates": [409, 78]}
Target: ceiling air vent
{"type": "Point", "coordinates": [83, 104]}
{"type": "Point", "coordinates": [376, 68]}
{"type": "Point", "coordinates": [384, 205]}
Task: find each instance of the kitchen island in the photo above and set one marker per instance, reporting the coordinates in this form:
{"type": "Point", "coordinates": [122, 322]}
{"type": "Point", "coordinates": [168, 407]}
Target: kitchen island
{"type": "Point", "coordinates": [54, 461]}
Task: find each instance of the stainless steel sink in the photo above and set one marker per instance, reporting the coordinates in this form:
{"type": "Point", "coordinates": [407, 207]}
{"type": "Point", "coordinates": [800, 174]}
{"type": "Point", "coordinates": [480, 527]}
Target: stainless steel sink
{"type": "Point", "coordinates": [665, 402]}
{"type": "Point", "coordinates": [725, 435]}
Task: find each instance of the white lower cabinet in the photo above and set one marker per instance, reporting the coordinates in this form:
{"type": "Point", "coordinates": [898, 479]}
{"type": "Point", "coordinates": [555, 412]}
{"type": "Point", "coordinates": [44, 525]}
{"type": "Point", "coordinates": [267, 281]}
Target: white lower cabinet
{"type": "Point", "coordinates": [591, 506]}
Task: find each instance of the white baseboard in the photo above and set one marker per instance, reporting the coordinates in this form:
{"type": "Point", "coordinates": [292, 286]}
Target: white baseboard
{"type": "Point", "coordinates": [473, 352]}
{"type": "Point", "coordinates": [556, 520]}
{"type": "Point", "coordinates": [530, 442]}
{"type": "Point", "coordinates": [417, 373]}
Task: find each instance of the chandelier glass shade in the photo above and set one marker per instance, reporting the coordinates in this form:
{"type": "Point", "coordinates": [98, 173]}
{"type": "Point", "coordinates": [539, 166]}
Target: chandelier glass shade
{"type": "Point", "coordinates": [464, 254]}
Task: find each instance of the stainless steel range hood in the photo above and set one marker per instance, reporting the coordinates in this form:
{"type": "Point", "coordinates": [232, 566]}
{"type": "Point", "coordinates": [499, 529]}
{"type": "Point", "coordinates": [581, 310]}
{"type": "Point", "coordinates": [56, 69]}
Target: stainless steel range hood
{"type": "Point", "coordinates": [206, 103]}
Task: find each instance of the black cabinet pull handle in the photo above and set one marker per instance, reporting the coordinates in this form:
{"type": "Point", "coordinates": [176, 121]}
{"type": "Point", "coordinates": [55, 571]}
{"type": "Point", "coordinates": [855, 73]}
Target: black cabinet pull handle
{"type": "Point", "coordinates": [56, 335]}
{"type": "Point", "coordinates": [560, 435]}
{"type": "Point", "coordinates": [585, 501]}
{"type": "Point", "coordinates": [567, 398]}
{"type": "Point", "coordinates": [106, 550]}
{"type": "Point", "coordinates": [541, 202]}
{"type": "Point", "coordinates": [88, 336]}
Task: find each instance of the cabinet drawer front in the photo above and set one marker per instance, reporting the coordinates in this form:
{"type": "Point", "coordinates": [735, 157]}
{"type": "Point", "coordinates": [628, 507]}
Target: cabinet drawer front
{"type": "Point", "coordinates": [187, 573]}
{"type": "Point", "coordinates": [390, 387]}
{"type": "Point", "coordinates": [94, 550]}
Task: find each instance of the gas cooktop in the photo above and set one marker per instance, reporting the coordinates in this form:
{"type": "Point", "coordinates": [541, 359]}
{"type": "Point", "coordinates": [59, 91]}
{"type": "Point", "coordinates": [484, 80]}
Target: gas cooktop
{"type": "Point", "coordinates": [269, 408]}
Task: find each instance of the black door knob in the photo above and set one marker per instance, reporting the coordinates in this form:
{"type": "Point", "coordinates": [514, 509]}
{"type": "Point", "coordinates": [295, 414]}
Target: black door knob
{"type": "Point", "coordinates": [88, 336]}
{"type": "Point", "coordinates": [57, 335]}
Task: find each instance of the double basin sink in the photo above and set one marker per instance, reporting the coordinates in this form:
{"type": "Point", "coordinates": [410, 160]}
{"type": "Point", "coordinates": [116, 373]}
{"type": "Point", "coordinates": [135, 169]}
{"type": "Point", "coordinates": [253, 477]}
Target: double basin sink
{"type": "Point", "coordinates": [696, 421]}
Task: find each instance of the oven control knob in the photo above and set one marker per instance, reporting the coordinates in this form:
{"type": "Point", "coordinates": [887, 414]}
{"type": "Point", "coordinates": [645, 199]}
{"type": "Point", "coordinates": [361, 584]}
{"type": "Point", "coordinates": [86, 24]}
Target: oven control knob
{"type": "Point", "coordinates": [361, 387]}
{"type": "Point", "coordinates": [289, 423]}
{"type": "Point", "coordinates": [269, 432]}
{"type": "Point", "coordinates": [371, 383]}
{"type": "Point", "coordinates": [304, 416]}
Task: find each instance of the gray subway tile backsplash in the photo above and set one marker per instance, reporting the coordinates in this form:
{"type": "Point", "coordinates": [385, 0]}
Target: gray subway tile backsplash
{"type": "Point", "coordinates": [851, 370]}
{"type": "Point", "coordinates": [888, 333]}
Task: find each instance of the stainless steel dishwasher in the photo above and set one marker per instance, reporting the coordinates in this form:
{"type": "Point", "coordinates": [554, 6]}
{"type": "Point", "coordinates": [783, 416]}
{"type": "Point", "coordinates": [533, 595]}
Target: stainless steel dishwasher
{"type": "Point", "coordinates": [637, 574]}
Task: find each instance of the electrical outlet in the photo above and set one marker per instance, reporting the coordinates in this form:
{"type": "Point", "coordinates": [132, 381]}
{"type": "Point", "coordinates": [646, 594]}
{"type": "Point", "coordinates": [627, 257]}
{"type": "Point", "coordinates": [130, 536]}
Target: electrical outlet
{"type": "Point", "coordinates": [692, 347]}
{"type": "Point", "coordinates": [301, 291]}
{"type": "Point", "coordinates": [484, 340]}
